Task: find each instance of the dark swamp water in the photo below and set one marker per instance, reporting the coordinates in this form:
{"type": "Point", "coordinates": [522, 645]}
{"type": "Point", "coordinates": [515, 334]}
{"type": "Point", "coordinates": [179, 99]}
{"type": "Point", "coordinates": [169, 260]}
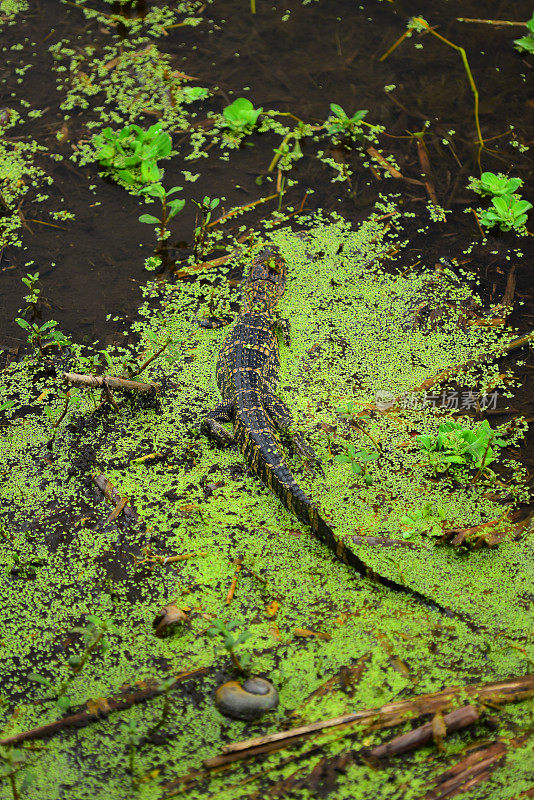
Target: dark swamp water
{"type": "Point", "coordinates": [296, 59]}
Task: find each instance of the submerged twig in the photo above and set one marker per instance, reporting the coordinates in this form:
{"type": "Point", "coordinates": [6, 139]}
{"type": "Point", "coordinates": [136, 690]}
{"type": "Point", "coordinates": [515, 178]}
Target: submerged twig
{"type": "Point", "coordinates": [105, 708]}
{"type": "Point", "coordinates": [455, 721]}
{"type": "Point", "coordinates": [107, 382]}
{"type": "Point", "coordinates": [458, 368]}
{"type": "Point", "coordinates": [113, 497]}
{"type": "Point", "coordinates": [508, 691]}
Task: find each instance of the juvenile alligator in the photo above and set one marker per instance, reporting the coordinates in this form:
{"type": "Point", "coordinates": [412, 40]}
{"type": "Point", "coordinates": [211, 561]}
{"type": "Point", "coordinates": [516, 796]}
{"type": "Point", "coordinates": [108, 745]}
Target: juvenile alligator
{"type": "Point", "coordinates": [247, 377]}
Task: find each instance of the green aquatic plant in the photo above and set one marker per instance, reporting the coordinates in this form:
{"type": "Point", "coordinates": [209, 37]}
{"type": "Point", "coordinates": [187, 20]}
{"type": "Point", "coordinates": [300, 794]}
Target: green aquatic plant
{"type": "Point", "coordinates": [241, 116]}
{"type": "Point", "coordinates": [33, 297]}
{"type": "Point", "coordinates": [494, 184]}
{"type": "Point", "coordinates": [339, 122]}
{"type": "Point", "coordinates": [12, 761]}
{"type": "Point", "coordinates": [94, 640]}
{"type": "Point", "coordinates": [358, 459]}
{"type": "Point", "coordinates": [507, 211]}
{"type": "Point", "coordinates": [200, 233]}
{"type": "Point", "coordinates": [456, 446]}
{"type": "Point", "coordinates": [169, 209]}
{"type": "Point", "coordinates": [130, 731]}
{"type": "Point", "coordinates": [224, 632]}
{"type": "Point", "coordinates": [43, 337]}
{"type": "Point", "coordinates": [132, 153]}
{"type": "Point", "coordinates": [526, 43]}
{"type": "Point", "coordinates": [427, 520]}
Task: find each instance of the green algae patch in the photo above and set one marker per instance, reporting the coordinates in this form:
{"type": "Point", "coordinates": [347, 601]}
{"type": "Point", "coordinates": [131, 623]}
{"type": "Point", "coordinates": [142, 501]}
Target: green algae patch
{"type": "Point", "coordinates": [361, 325]}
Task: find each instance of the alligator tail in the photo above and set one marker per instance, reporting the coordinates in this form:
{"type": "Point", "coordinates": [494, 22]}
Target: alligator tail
{"type": "Point", "coordinates": [279, 480]}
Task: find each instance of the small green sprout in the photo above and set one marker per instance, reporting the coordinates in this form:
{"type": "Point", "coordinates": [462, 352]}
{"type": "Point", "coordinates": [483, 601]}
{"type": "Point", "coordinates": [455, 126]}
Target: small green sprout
{"type": "Point", "coordinates": [241, 116]}
{"type": "Point", "coordinates": [358, 459]}
{"type": "Point", "coordinates": [200, 233]}
{"type": "Point", "coordinates": [13, 761]}
{"type": "Point", "coordinates": [132, 153]}
{"type": "Point", "coordinates": [339, 122]}
{"type": "Point", "coordinates": [33, 297]}
{"type": "Point", "coordinates": [43, 337]}
{"type": "Point", "coordinates": [93, 638]}
{"type": "Point", "coordinates": [526, 43]}
{"type": "Point", "coordinates": [426, 520]}
{"type": "Point", "coordinates": [130, 730]}
{"type": "Point", "coordinates": [229, 641]}
{"type": "Point", "coordinates": [169, 209]}
{"type": "Point", "coordinates": [456, 447]}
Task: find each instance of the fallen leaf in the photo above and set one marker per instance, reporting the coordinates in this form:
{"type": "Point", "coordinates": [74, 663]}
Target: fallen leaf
{"type": "Point", "coordinates": [272, 609]}
{"type": "Point", "coordinates": [439, 729]}
{"type": "Point", "coordinates": [94, 706]}
{"type": "Point", "coordinates": [306, 633]}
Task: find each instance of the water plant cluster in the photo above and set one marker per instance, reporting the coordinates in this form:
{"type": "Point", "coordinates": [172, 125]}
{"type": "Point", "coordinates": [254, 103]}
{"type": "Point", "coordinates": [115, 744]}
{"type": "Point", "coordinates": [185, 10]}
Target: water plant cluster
{"type": "Point", "coordinates": [508, 210]}
{"type": "Point", "coordinates": [132, 154]}
{"type": "Point", "coordinates": [115, 510]}
{"type": "Point", "coordinates": [92, 632]}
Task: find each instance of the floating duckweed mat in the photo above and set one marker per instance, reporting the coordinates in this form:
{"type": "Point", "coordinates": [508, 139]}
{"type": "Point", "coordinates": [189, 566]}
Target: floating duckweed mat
{"type": "Point", "coordinates": [366, 333]}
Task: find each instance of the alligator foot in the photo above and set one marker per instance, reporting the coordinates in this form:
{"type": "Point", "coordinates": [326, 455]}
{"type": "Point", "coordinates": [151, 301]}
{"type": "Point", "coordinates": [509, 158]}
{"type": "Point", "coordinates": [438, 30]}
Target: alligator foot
{"type": "Point", "coordinates": [283, 420]}
{"type": "Point", "coordinates": [307, 453]}
{"type": "Point", "coordinates": [213, 424]}
{"type": "Point", "coordinates": [215, 322]}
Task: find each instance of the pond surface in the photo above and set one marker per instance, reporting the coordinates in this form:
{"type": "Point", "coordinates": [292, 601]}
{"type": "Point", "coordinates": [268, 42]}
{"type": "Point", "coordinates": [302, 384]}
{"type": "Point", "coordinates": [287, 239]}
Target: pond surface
{"type": "Point", "coordinates": [392, 281]}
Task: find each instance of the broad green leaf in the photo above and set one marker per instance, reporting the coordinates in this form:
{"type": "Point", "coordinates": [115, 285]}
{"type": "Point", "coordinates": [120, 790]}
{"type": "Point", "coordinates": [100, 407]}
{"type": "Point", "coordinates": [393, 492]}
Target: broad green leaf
{"type": "Point", "coordinates": [337, 110]}
{"type": "Point", "coordinates": [501, 205]}
{"type": "Point", "coordinates": [154, 190]}
{"type": "Point", "coordinates": [164, 146]}
{"type": "Point", "coordinates": [63, 702]}
{"type": "Point", "coordinates": [127, 176]}
{"type": "Point", "coordinates": [35, 676]}
{"type": "Point", "coordinates": [521, 206]}
{"type": "Point", "coordinates": [150, 171]}
{"type": "Point", "coordinates": [149, 219]}
{"type": "Point", "coordinates": [175, 206]}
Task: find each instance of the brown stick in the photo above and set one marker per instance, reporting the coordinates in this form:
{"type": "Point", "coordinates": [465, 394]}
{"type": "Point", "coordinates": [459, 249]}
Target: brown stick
{"type": "Point", "coordinates": [113, 497]}
{"type": "Point", "coordinates": [231, 590]}
{"type": "Point", "coordinates": [507, 691]}
{"type": "Point", "coordinates": [427, 170]}
{"type": "Point", "coordinates": [381, 541]}
{"type": "Point", "coordinates": [457, 719]}
{"type": "Point", "coordinates": [471, 770]}
{"type": "Point", "coordinates": [83, 718]}
{"type": "Point", "coordinates": [104, 381]}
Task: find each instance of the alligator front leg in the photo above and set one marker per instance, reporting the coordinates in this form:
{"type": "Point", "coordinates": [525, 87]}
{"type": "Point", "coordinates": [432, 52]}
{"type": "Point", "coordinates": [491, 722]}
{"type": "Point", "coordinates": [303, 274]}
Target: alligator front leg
{"type": "Point", "coordinates": [283, 326]}
{"type": "Point", "coordinates": [213, 423]}
{"type": "Point", "coordinates": [283, 420]}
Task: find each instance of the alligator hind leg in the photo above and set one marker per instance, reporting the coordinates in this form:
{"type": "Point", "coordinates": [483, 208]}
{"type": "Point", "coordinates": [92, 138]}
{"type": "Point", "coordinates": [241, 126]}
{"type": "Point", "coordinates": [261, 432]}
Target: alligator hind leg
{"type": "Point", "coordinates": [215, 322]}
{"type": "Point", "coordinates": [283, 420]}
{"type": "Point", "coordinates": [213, 423]}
